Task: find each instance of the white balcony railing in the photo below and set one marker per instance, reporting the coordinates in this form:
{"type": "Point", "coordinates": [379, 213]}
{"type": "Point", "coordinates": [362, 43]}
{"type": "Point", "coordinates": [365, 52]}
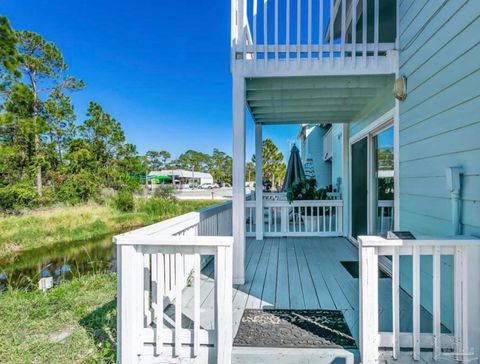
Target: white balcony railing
{"type": "Point", "coordinates": [425, 286]}
{"type": "Point", "coordinates": [297, 218]}
{"type": "Point", "coordinates": [154, 265]}
{"type": "Point", "coordinates": [275, 196]}
{"type": "Point", "coordinates": [322, 31]}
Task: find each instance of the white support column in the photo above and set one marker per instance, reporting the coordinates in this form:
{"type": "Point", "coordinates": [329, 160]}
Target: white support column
{"type": "Point", "coordinates": [258, 182]}
{"type": "Point", "coordinates": [238, 198]}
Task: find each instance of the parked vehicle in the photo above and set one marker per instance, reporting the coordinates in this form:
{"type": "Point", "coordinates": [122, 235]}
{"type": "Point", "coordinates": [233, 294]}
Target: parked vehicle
{"type": "Point", "coordinates": [208, 186]}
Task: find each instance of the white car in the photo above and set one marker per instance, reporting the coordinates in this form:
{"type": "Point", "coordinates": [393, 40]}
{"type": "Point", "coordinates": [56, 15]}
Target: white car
{"type": "Point", "coordinates": [208, 186]}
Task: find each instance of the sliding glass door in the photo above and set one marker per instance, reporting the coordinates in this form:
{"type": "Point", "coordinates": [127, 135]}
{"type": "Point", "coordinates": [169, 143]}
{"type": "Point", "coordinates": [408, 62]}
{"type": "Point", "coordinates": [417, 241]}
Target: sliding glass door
{"type": "Point", "coordinates": [372, 182]}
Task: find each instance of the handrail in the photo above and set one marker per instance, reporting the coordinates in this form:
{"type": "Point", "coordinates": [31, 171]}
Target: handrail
{"type": "Point", "coordinates": [318, 38]}
{"type": "Point", "coordinates": [297, 218]}
{"type": "Point", "coordinates": [465, 252]}
{"type": "Point", "coordinates": [154, 265]}
{"type": "Point", "coordinates": [179, 223]}
{"type": "Point", "coordinates": [280, 203]}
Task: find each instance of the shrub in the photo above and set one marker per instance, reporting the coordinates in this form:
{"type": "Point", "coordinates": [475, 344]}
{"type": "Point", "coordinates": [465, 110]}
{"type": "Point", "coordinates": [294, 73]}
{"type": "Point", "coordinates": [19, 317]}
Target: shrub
{"type": "Point", "coordinates": [302, 190]}
{"type": "Point", "coordinates": [22, 194]}
{"type": "Point", "coordinates": [166, 192]}
{"type": "Point", "coordinates": [79, 187]}
{"type": "Point", "coordinates": [124, 201]}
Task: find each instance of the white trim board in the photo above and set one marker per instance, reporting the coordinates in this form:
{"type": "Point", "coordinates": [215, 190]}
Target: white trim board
{"type": "Point", "coordinates": [374, 126]}
{"type": "Point", "coordinates": [385, 121]}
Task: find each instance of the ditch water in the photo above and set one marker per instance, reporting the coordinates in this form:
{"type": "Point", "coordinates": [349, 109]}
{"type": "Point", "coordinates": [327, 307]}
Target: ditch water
{"type": "Point", "coordinates": [61, 263]}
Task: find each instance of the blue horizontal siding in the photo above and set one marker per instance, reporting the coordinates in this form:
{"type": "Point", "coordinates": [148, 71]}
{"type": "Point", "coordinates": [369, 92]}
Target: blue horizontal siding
{"type": "Point", "coordinates": [440, 119]}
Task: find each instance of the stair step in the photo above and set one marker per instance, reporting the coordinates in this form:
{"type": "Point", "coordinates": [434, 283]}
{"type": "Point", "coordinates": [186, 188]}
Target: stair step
{"type": "Point", "coordinates": [262, 355]}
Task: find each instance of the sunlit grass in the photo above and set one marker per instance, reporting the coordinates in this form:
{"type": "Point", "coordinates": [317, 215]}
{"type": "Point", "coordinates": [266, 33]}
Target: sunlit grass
{"type": "Point", "coordinates": [39, 228]}
{"type": "Point", "coordinates": [72, 323]}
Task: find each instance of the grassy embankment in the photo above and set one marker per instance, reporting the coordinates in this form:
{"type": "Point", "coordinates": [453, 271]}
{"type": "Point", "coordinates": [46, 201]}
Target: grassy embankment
{"type": "Point", "coordinates": [74, 322]}
{"type": "Point", "coordinates": [62, 225]}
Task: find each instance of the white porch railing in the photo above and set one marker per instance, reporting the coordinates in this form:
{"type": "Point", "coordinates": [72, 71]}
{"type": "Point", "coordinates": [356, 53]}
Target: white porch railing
{"type": "Point", "coordinates": [153, 265]}
{"type": "Point", "coordinates": [464, 299]}
{"type": "Point", "coordinates": [385, 216]}
{"type": "Point", "coordinates": [315, 31]}
{"type": "Point", "coordinates": [298, 218]}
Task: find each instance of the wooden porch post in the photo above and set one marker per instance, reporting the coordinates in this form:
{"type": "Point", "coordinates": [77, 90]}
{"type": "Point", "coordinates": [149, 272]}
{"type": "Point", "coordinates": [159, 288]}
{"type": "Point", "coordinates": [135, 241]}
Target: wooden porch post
{"type": "Point", "coordinates": [238, 198]}
{"type": "Point", "coordinates": [258, 182]}
{"type": "Point", "coordinates": [368, 302]}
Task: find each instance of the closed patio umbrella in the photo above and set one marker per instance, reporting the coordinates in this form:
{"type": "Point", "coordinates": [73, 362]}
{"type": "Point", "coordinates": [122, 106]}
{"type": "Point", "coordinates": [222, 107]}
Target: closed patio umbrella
{"type": "Point", "coordinates": [295, 170]}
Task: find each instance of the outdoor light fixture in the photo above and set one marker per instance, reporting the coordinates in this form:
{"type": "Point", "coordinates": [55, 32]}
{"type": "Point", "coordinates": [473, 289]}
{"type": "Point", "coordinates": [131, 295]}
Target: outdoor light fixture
{"type": "Point", "coordinates": [400, 88]}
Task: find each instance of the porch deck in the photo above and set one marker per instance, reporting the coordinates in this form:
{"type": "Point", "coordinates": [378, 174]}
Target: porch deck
{"type": "Point", "coordinates": [300, 273]}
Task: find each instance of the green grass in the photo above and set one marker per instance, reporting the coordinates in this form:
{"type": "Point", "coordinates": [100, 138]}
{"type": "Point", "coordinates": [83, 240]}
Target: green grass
{"type": "Point", "coordinates": [72, 323]}
{"type": "Point", "coordinates": [47, 227]}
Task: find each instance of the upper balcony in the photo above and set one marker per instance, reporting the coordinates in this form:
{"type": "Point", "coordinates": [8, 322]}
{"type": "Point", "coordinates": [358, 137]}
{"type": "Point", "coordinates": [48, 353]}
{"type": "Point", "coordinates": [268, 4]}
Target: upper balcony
{"type": "Point", "coordinates": [313, 37]}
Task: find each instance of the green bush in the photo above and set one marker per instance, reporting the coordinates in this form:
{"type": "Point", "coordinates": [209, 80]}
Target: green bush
{"type": "Point", "coordinates": [22, 194]}
{"type": "Point", "coordinates": [166, 192]}
{"type": "Point", "coordinates": [79, 187]}
{"type": "Point", "coordinates": [124, 201]}
{"type": "Point", "coordinates": [302, 190]}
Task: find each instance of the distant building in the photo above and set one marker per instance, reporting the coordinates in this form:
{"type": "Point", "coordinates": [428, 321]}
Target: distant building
{"type": "Point", "coordinates": [184, 178]}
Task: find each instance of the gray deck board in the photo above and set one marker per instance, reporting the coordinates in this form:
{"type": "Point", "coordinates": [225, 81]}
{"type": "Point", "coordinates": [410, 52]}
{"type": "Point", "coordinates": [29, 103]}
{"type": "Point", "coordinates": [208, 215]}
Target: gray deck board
{"type": "Point", "coordinates": [270, 286]}
{"type": "Point", "coordinates": [282, 296]}
{"type": "Point", "coordinates": [299, 273]}
{"type": "Point", "coordinates": [294, 284]}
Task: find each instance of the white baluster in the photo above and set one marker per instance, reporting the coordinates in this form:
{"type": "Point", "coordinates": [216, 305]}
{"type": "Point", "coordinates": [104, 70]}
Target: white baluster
{"type": "Point", "coordinates": [364, 31]}
{"type": "Point", "coordinates": [178, 303]}
{"type": "Point", "coordinates": [343, 21]}
{"type": "Point", "coordinates": [376, 30]}
{"type": "Point", "coordinates": [320, 31]}
{"type": "Point", "coordinates": [265, 31]}
{"type": "Point", "coordinates": [396, 302]}
{"type": "Point", "coordinates": [416, 302]}
{"type": "Point", "coordinates": [276, 32]}
{"type": "Point", "coordinates": [354, 31]}
{"type": "Point", "coordinates": [331, 31]}
{"type": "Point", "coordinates": [436, 304]}
{"type": "Point", "coordinates": [287, 35]}
{"type": "Point", "coordinates": [196, 303]}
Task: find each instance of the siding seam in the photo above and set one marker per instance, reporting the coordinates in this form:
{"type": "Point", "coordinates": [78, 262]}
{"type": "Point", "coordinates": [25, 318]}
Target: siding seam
{"type": "Point", "coordinates": [438, 134]}
{"type": "Point", "coordinates": [427, 40]}
{"type": "Point", "coordinates": [441, 69]}
{"type": "Point", "coordinates": [408, 9]}
{"type": "Point", "coordinates": [439, 155]}
{"type": "Point", "coordinates": [437, 176]}
{"type": "Point", "coordinates": [441, 112]}
{"type": "Point", "coordinates": [439, 197]}
{"type": "Point", "coordinates": [443, 46]}
{"type": "Point", "coordinates": [442, 90]}
{"type": "Point", "coordinates": [414, 17]}
{"type": "Point", "coordinates": [419, 214]}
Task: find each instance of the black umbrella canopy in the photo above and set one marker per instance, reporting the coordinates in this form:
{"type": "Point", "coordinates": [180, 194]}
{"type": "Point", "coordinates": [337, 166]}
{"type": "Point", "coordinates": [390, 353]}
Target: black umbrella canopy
{"type": "Point", "coordinates": [295, 170]}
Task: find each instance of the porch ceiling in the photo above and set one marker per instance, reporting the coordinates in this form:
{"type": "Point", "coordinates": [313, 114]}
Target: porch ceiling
{"type": "Point", "coordinates": [278, 100]}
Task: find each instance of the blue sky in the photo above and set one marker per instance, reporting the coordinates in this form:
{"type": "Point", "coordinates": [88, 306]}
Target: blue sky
{"type": "Point", "coordinates": [161, 68]}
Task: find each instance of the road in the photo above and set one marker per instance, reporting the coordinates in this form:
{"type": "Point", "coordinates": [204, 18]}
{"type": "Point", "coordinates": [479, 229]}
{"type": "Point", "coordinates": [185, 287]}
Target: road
{"type": "Point", "coordinates": [224, 193]}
